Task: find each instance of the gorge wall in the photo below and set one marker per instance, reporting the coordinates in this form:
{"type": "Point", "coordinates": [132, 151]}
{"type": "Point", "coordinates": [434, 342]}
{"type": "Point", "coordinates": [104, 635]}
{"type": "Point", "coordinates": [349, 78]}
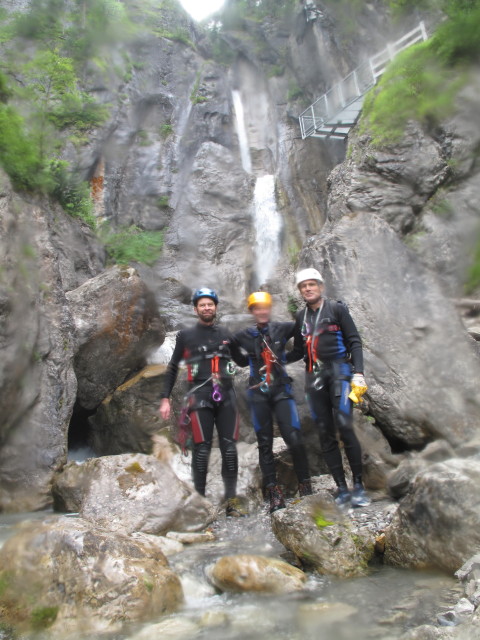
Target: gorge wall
{"type": "Point", "coordinates": [170, 158]}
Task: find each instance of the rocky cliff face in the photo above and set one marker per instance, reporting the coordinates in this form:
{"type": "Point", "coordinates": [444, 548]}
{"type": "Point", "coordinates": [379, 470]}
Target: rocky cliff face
{"type": "Point", "coordinates": [390, 229]}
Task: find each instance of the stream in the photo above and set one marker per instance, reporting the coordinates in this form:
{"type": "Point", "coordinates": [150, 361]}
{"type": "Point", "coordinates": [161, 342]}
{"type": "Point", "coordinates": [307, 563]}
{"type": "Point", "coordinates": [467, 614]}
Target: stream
{"type": "Point", "coordinates": [382, 605]}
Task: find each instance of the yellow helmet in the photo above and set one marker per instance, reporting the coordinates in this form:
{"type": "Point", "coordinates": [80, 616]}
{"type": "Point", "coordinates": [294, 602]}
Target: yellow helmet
{"type": "Point", "coordinates": [259, 297]}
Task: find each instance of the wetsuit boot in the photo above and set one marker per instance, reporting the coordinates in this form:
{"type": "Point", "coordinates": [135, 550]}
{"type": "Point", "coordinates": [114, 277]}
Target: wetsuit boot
{"type": "Point", "coordinates": [277, 500]}
{"type": "Point", "coordinates": [359, 495]}
{"type": "Point", "coordinates": [343, 495]}
{"type": "Point", "coordinates": [305, 488]}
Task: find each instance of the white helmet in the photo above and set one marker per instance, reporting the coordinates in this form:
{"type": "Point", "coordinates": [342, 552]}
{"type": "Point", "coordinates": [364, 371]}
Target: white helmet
{"type": "Point", "coordinates": [307, 274]}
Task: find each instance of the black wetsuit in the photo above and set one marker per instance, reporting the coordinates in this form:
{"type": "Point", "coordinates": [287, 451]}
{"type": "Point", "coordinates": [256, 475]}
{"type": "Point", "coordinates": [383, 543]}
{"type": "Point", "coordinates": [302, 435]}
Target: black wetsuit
{"type": "Point", "coordinates": [208, 349]}
{"type": "Point", "coordinates": [272, 398]}
{"type": "Point", "coordinates": [330, 344]}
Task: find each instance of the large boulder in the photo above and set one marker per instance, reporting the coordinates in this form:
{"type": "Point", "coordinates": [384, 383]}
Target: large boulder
{"type": "Point", "coordinates": [255, 573]}
{"type": "Point", "coordinates": [117, 325]}
{"type": "Point", "coordinates": [41, 249]}
{"type": "Point", "coordinates": [126, 420]}
{"type": "Point", "coordinates": [438, 523]}
{"type": "Point", "coordinates": [131, 492]}
{"type": "Point", "coordinates": [321, 538]}
{"type": "Point", "coordinates": [415, 345]}
{"type": "Point", "coordinates": [65, 575]}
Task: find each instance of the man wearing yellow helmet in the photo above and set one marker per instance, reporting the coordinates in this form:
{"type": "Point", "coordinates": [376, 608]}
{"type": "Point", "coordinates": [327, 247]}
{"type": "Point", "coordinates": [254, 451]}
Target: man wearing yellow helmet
{"type": "Point", "coordinates": [270, 395]}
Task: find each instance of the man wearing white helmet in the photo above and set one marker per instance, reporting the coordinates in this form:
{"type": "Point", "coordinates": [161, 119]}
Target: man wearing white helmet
{"type": "Point", "coordinates": [326, 337]}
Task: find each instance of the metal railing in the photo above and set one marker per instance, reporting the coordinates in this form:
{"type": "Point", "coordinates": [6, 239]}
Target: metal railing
{"type": "Point", "coordinates": [355, 85]}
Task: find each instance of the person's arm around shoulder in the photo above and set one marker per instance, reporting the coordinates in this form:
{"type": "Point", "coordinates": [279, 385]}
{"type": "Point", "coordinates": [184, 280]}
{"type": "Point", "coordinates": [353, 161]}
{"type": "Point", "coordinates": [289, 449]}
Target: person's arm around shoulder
{"type": "Point", "coordinates": [236, 349]}
{"type": "Point", "coordinates": [171, 376]}
{"type": "Point", "coordinates": [297, 352]}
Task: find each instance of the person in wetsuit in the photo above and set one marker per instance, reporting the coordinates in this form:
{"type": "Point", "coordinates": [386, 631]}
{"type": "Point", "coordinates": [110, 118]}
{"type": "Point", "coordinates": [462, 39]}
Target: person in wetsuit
{"type": "Point", "coordinates": [326, 337]}
{"type": "Point", "coordinates": [270, 395]}
{"type": "Point", "coordinates": [207, 350]}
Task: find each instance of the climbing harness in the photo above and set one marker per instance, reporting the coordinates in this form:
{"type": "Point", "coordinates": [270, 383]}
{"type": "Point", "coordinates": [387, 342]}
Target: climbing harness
{"type": "Point", "coordinates": [216, 394]}
{"type": "Point", "coordinates": [270, 360]}
{"type": "Point", "coordinates": [311, 334]}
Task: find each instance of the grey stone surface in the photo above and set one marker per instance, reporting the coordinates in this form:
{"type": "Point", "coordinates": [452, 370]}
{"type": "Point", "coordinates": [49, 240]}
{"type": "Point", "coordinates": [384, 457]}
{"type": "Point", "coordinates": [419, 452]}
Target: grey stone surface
{"type": "Point", "coordinates": [437, 523]}
{"type": "Point", "coordinates": [117, 324]}
{"type": "Point", "coordinates": [94, 580]}
{"type": "Point", "coordinates": [131, 492]}
{"type": "Point", "coordinates": [322, 538]}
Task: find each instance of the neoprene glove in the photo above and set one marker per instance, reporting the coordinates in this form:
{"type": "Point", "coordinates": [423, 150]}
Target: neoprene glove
{"type": "Point", "coordinates": [359, 387]}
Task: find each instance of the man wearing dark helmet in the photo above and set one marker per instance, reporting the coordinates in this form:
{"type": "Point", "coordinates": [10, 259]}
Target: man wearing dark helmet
{"type": "Point", "coordinates": [208, 349]}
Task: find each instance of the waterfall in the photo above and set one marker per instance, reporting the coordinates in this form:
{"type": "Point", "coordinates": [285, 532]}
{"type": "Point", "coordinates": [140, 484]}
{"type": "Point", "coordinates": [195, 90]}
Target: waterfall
{"type": "Point", "coordinates": [241, 132]}
{"type": "Point", "coordinates": [268, 226]}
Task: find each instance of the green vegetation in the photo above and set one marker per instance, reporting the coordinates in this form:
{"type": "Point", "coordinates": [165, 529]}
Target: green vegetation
{"type": "Point", "coordinates": [166, 129]}
{"type": "Point", "coordinates": [423, 81]}
{"type": "Point", "coordinates": [47, 52]}
{"type": "Point", "coordinates": [234, 13]}
{"type": "Point", "coordinates": [163, 202]}
{"type": "Point", "coordinates": [320, 521]}
{"type": "Point", "coordinates": [131, 244]}
{"type": "Point", "coordinates": [195, 97]}
{"type": "Point", "coordinates": [292, 305]}
{"type": "Point", "coordinates": [276, 70]}
{"type": "Point", "coordinates": [43, 617]}
{"type": "Point", "coordinates": [135, 467]}
{"type": "Point", "coordinates": [473, 281]}
{"type": "Point", "coordinates": [294, 92]}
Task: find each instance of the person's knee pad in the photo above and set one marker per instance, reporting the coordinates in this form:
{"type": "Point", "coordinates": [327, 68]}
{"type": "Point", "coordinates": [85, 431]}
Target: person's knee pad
{"type": "Point", "coordinates": [294, 439]}
{"type": "Point", "coordinates": [229, 451]}
{"type": "Point", "coordinates": [344, 421]}
{"type": "Point", "coordinates": [201, 454]}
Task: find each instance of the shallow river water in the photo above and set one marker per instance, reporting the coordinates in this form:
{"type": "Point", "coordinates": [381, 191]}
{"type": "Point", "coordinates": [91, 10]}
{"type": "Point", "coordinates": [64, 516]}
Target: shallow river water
{"type": "Point", "coordinates": [382, 605]}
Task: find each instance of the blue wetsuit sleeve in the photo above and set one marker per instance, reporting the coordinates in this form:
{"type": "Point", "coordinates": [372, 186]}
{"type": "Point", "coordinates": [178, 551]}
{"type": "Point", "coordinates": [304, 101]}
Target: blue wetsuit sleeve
{"type": "Point", "coordinates": [172, 368]}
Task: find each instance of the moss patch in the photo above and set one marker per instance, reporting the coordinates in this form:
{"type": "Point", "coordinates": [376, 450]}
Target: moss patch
{"type": "Point", "coordinates": [135, 467]}
{"type": "Point", "coordinates": [43, 617]}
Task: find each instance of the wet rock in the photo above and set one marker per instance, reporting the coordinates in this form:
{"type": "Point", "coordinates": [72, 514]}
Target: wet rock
{"type": "Point", "coordinates": [403, 315]}
{"type": "Point", "coordinates": [314, 615]}
{"type": "Point", "coordinates": [126, 420]}
{"type": "Point", "coordinates": [438, 523]}
{"type": "Point", "coordinates": [173, 629]}
{"type": "Point", "coordinates": [427, 632]}
{"type": "Point", "coordinates": [255, 573]}
{"type": "Point", "coordinates": [132, 493]}
{"type": "Point", "coordinates": [400, 479]}
{"type": "Point", "coordinates": [191, 538]}
{"type": "Point", "coordinates": [214, 619]}
{"type": "Point", "coordinates": [322, 538]}
{"type": "Point", "coordinates": [113, 341]}
{"type": "Point", "coordinates": [469, 575]}
{"type": "Point", "coordinates": [377, 457]}
{"type": "Point", "coordinates": [70, 576]}
{"type": "Point", "coordinates": [437, 451]}
{"type": "Point", "coordinates": [37, 344]}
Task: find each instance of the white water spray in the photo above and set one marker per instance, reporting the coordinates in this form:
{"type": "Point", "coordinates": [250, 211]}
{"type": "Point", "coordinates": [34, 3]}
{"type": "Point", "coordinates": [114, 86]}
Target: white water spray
{"type": "Point", "coordinates": [241, 132]}
{"type": "Point", "coordinates": [268, 226]}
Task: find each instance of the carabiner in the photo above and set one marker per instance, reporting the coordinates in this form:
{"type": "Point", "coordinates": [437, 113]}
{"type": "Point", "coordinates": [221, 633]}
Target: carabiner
{"type": "Point", "coordinates": [217, 394]}
{"type": "Point", "coordinates": [317, 383]}
{"type": "Point", "coordinates": [231, 368]}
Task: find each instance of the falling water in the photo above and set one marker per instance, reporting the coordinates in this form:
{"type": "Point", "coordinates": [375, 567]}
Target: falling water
{"type": "Point", "coordinates": [241, 132]}
{"type": "Point", "coordinates": [268, 226]}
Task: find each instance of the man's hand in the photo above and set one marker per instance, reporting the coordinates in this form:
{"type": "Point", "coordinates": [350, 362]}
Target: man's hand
{"type": "Point", "coordinates": [359, 387]}
{"type": "Point", "coordinates": [165, 408]}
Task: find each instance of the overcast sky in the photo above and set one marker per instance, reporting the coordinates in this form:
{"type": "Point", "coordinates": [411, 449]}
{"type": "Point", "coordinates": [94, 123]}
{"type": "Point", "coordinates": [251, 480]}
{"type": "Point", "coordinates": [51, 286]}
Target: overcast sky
{"type": "Point", "coordinates": [200, 9]}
